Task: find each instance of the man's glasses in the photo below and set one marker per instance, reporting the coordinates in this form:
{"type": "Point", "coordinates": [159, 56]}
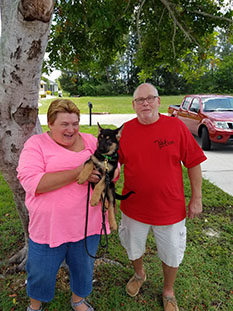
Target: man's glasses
{"type": "Point", "coordinates": [150, 99]}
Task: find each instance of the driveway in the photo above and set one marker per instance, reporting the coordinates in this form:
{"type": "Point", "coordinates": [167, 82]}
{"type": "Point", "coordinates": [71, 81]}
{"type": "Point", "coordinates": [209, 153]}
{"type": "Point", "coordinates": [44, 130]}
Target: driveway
{"type": "Point", "coordinates": [218, 168]}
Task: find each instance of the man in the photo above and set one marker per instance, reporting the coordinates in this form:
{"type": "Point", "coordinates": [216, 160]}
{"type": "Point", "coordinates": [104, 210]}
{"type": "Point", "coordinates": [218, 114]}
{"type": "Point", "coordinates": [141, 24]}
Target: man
{"type": "Point", "coordinates": [152, 149]}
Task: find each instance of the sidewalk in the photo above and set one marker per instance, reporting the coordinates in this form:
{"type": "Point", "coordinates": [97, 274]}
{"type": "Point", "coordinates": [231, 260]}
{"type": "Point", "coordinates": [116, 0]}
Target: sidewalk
{"type": "Point", "coordinates": [115, 119]}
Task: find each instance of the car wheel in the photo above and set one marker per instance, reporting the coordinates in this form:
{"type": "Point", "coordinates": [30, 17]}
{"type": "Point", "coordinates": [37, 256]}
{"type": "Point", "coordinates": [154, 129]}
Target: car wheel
{"type": "Point", "coordinates": [205, 140]}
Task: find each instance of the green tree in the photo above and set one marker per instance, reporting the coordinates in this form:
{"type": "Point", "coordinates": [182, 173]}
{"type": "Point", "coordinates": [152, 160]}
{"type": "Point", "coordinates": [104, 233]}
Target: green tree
{"type": "Point", "coordinates": [88, 35]}
{"type": "Point", "coordinates": [117, 78]}
{"type": "Point", "coordinates": [223, 76]}
{"type": "Point", "coordinates": [68, 81]}
{"type": "Point", "coordinates": [217, 78]}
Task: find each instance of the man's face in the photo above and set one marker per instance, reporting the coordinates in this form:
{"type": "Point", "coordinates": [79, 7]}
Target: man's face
{"type": "Point", "coordinates": [146, 104]}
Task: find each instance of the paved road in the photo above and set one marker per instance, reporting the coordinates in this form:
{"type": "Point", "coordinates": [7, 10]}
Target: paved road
{"type": "Point", "coordinates": [218, 168]}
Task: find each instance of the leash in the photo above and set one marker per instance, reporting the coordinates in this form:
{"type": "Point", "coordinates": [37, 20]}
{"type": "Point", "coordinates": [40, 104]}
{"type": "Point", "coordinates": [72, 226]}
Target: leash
{"type": "Point", "coordinates": [103, 231]}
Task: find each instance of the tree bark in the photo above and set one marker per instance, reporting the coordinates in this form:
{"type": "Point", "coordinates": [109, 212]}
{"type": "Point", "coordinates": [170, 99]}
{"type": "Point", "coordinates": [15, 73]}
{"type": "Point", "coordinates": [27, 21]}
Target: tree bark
{"type": "Point", "coordinates": [24, 38]}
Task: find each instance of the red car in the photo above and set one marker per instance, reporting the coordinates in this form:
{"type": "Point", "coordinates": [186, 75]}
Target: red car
{"type": "Point", "coordinates": [208, 116]}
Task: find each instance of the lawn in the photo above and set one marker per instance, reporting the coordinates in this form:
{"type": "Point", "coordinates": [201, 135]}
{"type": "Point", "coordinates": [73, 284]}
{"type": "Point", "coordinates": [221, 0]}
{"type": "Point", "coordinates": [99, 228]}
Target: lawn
{"type": "Point", "coordinates": [118, 104]}
{"type": "Point", "coordinates": [204, 281]}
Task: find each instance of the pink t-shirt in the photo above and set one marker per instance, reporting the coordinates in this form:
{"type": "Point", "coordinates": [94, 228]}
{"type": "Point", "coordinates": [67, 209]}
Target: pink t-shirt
{"type": "Point", "coordinates": [58, 216]}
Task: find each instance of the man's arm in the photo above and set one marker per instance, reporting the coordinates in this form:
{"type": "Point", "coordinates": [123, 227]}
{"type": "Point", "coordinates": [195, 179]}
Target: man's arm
{"type": "Point", "coordinates": [195, 204]}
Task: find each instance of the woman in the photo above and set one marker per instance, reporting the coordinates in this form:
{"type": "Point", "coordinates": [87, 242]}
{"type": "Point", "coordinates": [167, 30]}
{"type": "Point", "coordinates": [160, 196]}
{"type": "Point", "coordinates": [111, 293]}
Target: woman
{"type": "Point", "coordinates": [48, 168]}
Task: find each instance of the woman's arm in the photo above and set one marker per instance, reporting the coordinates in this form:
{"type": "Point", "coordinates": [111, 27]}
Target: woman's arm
{"type": "Point", "coordinates": [55, 180]}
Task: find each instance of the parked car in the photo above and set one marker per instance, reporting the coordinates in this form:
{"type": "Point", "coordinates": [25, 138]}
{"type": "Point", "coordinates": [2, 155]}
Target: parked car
{"type": "Point", "coordinates": [208, 116]}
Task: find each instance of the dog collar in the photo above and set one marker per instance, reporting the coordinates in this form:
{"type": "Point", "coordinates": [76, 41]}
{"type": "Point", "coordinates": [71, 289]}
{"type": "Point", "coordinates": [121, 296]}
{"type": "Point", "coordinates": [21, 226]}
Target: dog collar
{"type": "Point", "coordinates": [109, 157]}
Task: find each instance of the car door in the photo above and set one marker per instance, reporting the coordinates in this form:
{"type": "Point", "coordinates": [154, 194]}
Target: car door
{"type": "Point", "coordinates": [183, 112]}
{"type": "Point", "coordinates": [194, 118]}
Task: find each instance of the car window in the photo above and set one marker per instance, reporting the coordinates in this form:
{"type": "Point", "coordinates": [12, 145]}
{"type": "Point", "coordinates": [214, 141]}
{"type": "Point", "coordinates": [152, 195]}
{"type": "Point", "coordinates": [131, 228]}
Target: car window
{"type": "Point", "coordinates": [213, 104]}
{"type": "Point", "coordinates": [186, 103]}
{"type": "Point", "coordinates": [195, 105]}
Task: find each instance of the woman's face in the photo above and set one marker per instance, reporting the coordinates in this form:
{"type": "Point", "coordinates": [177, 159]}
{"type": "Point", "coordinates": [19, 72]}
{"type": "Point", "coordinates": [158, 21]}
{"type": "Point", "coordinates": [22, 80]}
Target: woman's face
{"type": "Point", "coordinates": [65, 129]}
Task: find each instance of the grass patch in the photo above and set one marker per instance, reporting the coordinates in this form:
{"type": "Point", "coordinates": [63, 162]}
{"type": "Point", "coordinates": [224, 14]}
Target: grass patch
{"type": "Point", "coordinates": [115, 104]}
{"type": "Point", "coordinates": [204, 281]}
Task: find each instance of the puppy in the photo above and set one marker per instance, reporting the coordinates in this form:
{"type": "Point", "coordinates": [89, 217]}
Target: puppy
{"type": "Point", "coordinates": [105, 160]}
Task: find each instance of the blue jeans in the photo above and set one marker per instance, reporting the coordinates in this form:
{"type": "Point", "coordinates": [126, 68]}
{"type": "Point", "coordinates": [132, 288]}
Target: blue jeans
{"type": "Point", "coordinates": [43, 263]}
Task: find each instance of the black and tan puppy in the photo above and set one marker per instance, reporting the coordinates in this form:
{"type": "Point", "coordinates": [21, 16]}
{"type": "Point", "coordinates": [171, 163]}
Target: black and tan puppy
{"type": "Point", "coordinates": [105, 160]}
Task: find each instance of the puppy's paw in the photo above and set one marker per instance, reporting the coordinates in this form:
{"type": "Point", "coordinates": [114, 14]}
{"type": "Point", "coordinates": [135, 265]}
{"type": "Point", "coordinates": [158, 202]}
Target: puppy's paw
{"type": "Point", "coordinates": [81, 180]}
{"type": "Point", "coordinates": [94, 200]}
{"type": "Point", "coordinates": [83, 176]}
{"type": "Point", "coordinates": [113, 226]}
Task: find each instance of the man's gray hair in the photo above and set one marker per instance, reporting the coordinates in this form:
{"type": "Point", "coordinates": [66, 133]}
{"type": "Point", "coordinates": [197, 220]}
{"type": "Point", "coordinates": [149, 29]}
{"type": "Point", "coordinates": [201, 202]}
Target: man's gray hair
{"type": "Point", "coordinates": [143, 84]}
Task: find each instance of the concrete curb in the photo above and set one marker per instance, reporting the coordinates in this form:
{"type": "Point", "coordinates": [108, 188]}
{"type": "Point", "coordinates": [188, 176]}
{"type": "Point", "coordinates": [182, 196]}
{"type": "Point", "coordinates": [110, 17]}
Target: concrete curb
{"type": "Point", "coordinates": [115, 119]}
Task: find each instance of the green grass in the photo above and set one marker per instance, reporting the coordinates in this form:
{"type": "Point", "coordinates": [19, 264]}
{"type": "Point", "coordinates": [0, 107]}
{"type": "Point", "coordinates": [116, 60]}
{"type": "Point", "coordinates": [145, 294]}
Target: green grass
{"type": "Point", "coordinates": [118, 104]}
{"type": "Point", "coordinates": [204, 281]}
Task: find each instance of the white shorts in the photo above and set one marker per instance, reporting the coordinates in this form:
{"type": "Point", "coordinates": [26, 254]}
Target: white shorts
{"type": "Point", "coordinates": [170, 240]}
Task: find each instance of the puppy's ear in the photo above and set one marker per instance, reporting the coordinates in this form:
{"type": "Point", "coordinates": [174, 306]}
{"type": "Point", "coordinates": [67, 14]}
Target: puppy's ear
{"type": "Point", "coordinates": [99, 128]}
{"type": "Point", "coordinates": [119, 131]}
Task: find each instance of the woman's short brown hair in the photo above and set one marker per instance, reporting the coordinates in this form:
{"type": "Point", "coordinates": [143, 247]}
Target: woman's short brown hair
{"type": "Point", "coordinates": [61, 105]}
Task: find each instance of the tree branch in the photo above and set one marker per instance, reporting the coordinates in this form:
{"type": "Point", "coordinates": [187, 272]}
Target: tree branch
{"type": "Point", "coordinates": [160, 20]}
{"type": "Point", "coordinates": [126, 8]}
{"type": "Point", "coordinates": [137, 22]}
{"type": "Point", "coordinates": [212, 16]}
{"type": "Point", "coordinates": [173, 41]}
{"type": "Point", "coordinates": [176, 23]}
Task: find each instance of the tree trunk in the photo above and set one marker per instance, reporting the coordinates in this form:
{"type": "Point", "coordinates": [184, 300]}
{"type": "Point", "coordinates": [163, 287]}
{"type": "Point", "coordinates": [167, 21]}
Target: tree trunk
{"type": "Point", "coordinates": [24, 37]}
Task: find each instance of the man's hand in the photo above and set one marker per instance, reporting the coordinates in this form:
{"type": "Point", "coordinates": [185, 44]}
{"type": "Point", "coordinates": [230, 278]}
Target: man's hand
{"type": "Point", "coordinates": [94, 177]}
{"type": "Point", "coordinates": [194, 208]}
{"type": "Point", "coordinates": [116, 174]}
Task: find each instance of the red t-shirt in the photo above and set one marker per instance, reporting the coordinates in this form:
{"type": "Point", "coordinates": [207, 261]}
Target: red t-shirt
{"type": "Point", "coordinates": [152, 156]}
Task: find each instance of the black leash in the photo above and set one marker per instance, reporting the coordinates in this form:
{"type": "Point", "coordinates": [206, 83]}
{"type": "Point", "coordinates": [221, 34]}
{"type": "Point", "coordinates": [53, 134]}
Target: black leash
{"type": "Point", "coordinates": [103, 229]}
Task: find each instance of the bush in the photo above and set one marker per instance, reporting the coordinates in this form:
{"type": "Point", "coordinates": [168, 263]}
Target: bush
{"type": "Point", "coordinates": [101, 89]}
{"type": "Point", "coordinates": [86, 89]}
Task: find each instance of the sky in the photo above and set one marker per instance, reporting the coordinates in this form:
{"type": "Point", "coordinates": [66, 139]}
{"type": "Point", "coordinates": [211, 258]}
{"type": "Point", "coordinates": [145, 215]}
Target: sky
{"type": "Point", "coordinates": [53, 76]}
